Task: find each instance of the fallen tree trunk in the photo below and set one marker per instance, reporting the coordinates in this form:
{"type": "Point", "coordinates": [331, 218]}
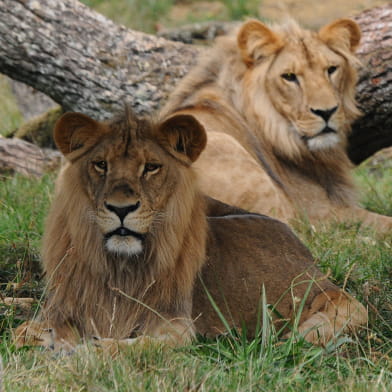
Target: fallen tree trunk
{"type": "Point", "coordinates": [19, 156]}
{"type": "Point", "coordinates": [373, 131]}
{"type": "Point", "coordinates": [87, 63]}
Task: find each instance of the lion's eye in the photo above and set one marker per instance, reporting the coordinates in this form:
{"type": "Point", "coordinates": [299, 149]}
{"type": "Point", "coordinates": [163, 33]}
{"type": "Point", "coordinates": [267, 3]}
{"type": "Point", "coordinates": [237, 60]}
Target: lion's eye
{"type": "Point", "coordinates": [151, 168]}
{"type": "Point", "coordinates": [332, 69]}
{"type": "Point", "coordinates": [101, 166]}
{"type": "Point", "coordinates": [290, 77]}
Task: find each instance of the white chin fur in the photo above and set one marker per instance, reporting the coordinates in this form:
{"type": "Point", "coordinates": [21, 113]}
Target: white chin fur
{"type": "Point", "coordinates": [323, 142]}
{"type": "Point", "coordinates": [126, 246]}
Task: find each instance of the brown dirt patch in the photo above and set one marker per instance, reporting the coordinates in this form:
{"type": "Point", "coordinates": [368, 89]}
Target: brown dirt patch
{"type": "Point", "coordinates": [314, 13]}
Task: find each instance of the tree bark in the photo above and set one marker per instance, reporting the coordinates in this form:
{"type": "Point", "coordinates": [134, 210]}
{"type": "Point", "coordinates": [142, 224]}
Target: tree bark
{"type": "Point", "coordinates": [86, 63]}
{"type": "Point", "coordinates": [18, 156]}
{"type": "Point", "coordinates": [373, 131]}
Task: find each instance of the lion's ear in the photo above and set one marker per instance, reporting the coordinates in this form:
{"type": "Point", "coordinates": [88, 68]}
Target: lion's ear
{"type": "Point", "coordinates": [256, 41]}
{"type": "Point", "coordinates": [341, 34]}
{"type": "Point", "coordinates": [184, 136]}
{"type": "Point", "coordinates": [76, 133]}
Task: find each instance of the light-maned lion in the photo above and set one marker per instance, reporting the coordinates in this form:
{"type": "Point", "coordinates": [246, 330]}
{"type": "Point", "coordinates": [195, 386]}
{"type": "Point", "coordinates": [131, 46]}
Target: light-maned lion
{"type": "Point", "coordinates": [277, 104]}
{"type": "Point", "coordinates": [131, 246]}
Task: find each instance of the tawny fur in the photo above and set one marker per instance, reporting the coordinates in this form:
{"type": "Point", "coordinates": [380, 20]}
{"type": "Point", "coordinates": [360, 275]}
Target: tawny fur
{"type": "Point", "coordinates": [155, 283]}
{"type": "Point", "coordinates": [268, 150]}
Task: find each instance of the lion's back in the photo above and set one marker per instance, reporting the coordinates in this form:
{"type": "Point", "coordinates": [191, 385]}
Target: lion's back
{"type": "Point", "coordinates": [246, 252]}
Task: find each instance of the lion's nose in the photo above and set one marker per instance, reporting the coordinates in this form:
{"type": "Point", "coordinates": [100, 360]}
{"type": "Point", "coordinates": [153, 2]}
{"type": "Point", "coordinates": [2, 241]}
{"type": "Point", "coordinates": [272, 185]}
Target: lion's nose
{"type": "Point", "coordinates": [122, 212]}
{"type": "Point", "coordinates": [325, 114]}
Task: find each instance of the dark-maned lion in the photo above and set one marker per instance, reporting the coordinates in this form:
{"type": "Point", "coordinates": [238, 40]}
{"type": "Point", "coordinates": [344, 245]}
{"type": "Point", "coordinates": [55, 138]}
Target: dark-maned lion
{"type": "Point", "coordinates": [277, 104]}
{"type": "Point", "coordinates": [131, 246]}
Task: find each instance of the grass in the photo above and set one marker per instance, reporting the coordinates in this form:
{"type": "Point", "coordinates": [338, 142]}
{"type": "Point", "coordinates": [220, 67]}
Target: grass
{"type": "Point", "coordinates": [238, 9]}
{"type": "Point", "coordinates": [215, 367]}
{"type": "Point", "coordinates": [24, 203]}
{"type": "Point", "coordinates": [374, 180]}
{"type": "Point", "coordinates": [142, 15]}
{"type": "Point", "coordinates": [10, 116]}
{"type": "Point", "coordinates": [359, 260]}
{"type": "Point", "coordinates": [149, 15]}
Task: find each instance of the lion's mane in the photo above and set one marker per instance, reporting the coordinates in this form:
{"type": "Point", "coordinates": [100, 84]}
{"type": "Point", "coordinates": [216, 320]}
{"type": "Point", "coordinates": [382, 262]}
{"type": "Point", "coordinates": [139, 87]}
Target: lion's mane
{"type": "Point", "coordinates": [228, 92]}
{"type": "Point", "coordinates": [93, 290]}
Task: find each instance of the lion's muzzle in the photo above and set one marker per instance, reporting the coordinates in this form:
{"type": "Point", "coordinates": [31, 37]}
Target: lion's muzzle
{"type": "Point", "coordinates": [122, 211]}
{"type": "Point", "coordinates": [124, 232]}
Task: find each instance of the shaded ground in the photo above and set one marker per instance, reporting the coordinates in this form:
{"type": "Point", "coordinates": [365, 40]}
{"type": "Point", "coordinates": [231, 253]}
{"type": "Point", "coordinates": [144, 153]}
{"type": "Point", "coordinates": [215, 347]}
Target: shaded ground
{"type": "Point", "coordinates": [309, 13]}
{"type": "Point", "coordinates": [313, 13]}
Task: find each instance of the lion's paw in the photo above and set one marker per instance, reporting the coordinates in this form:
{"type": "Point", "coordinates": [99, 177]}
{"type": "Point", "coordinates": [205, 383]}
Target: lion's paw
{"type": "Point", "coordinates": [33, 333]}
{"type": "Point", "coordinates": [113, 346]}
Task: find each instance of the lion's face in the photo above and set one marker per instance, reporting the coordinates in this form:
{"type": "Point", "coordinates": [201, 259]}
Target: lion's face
{"type": "Point", "coordinates": [129, 186]}
{"type": "Point", "coordinates": [127, 176]}
{"type": "Point", "coordinates": [305, 84]}
{"type": "Point", "coordinates": [308, 78]}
